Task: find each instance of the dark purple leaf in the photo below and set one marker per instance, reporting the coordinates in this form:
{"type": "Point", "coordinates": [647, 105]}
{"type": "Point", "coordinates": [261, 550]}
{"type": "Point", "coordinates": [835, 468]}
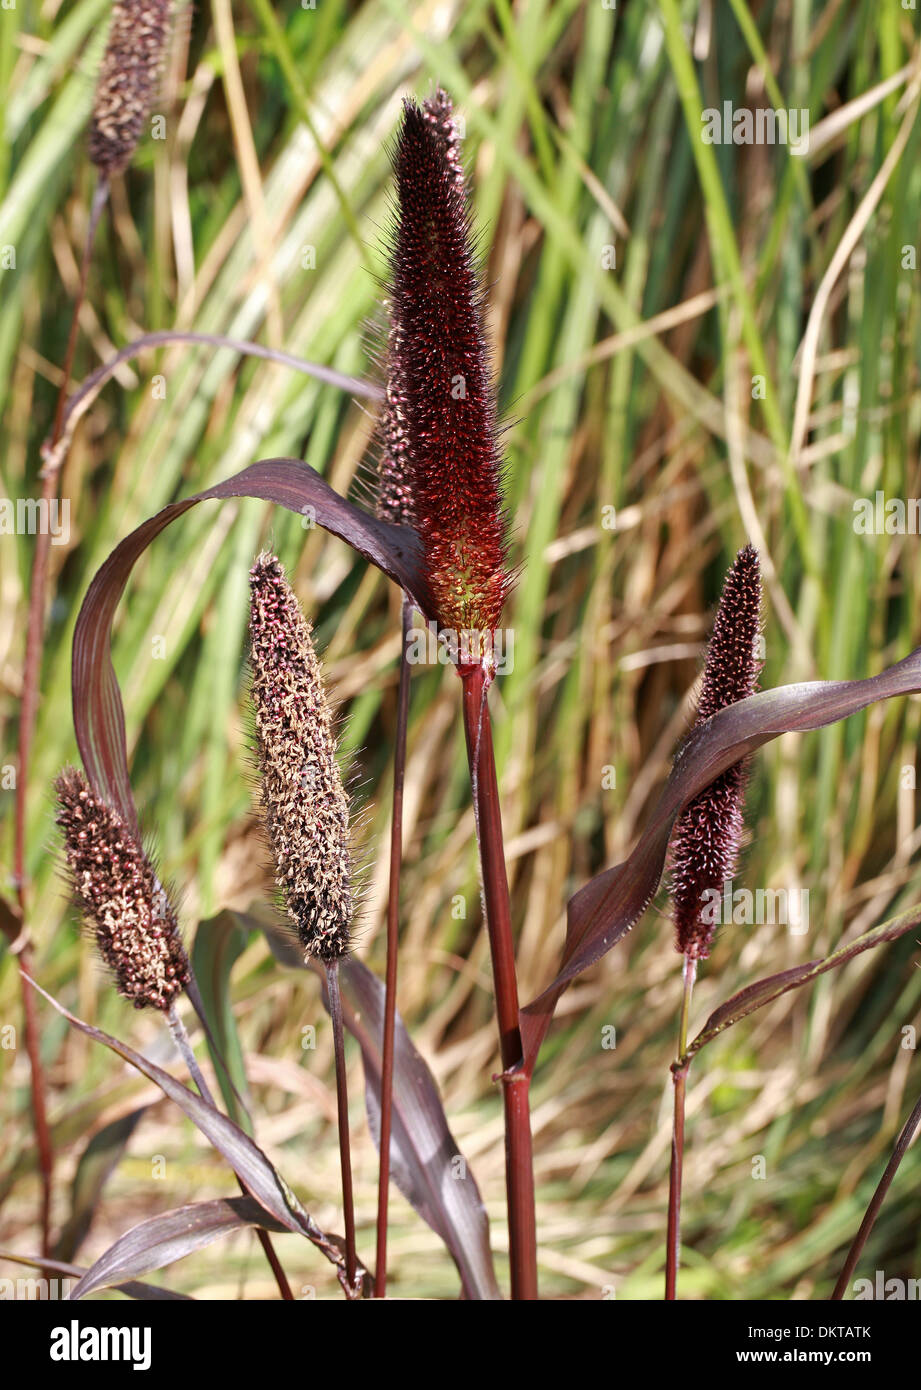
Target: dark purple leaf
{"type": "Point", "coordinates": [765, 991]}
{"type": "Point", "coordinates": [424, 1156]}
{"type": "Point", "coordinates": [606, 908]}
{"type": "Point", "coordinates": [163, 1239]}
{"type": "Point", "coordinates": [99, 719]}
{"type": "Point", "coordinates": [244, 1156]}
{"type": "Point", "coordinates": [131, 1287]}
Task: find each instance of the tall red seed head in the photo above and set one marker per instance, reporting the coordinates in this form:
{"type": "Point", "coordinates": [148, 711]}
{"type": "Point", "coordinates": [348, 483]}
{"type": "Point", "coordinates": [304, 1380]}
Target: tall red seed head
{"type": "Point", "coordinates": [441, 467]}
{"type": "Point", "coordinates": [121, 897]}
{"type": "Point", "coordinates": [705, 843]}
{"type": "Point", "coordinates": [305, 803]}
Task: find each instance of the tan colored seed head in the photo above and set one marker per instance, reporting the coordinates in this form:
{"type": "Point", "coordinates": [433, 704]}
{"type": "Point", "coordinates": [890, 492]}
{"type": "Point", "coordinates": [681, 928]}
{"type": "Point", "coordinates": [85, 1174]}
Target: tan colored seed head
{"type": "Point", "coordinates": [121, 897]}
{"type": "Point", "coordinates": [304, 800]}
{"type": "Point", "coordinates": [127, 81]}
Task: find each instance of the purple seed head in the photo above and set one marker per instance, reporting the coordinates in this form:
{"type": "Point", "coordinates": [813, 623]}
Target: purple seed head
{"type": "Point", "coordinates": [705, 842]}
{"type": "Point", "coordinates": [304, 800]}
{"type": "Point", "coordinates": [121, 897]}
{"type": "Point", "coordinates": [440, 468]}
{"type": "Point", "coordinates": [127, 81]}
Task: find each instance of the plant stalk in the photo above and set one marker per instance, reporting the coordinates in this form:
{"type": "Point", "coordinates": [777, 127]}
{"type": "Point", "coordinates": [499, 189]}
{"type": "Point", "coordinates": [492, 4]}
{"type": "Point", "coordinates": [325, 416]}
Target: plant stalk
{"type": "Point", "coordinates": [519, 1169]}
{"type": "Point", "coordinates": [876, 1202]}
{"type": "Point", "coordinates": [679, 1080]}
{"type": "Point", "coordinates": [393, 941]}
{"type": "Point", "coordinates": [342, 1101]}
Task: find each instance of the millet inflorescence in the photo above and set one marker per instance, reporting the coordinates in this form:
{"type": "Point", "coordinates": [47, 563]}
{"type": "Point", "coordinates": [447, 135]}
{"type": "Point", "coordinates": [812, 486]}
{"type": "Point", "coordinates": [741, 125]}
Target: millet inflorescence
{"type": "Point", "coordinates": [305, 804]}
{"type": "Point", "coordinates": [121, 897]}
{"type": "Point", "coordinates": [706, 839]}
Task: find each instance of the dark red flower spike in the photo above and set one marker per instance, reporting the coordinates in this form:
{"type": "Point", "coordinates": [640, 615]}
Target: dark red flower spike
{"type": "Point", "coordinates": [706, 840]}
{"type": "Point", "coordinates": [441, 467]}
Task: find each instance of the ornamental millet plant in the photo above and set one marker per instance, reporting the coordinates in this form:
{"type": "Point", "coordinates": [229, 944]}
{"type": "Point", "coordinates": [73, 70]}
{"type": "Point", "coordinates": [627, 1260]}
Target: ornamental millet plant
{"type": "Point", "coordinates": [441, 468]}
{"type": "Point", "coordinates": [705, 843]}
{"type": "Point", "coordinates": [440, 534]}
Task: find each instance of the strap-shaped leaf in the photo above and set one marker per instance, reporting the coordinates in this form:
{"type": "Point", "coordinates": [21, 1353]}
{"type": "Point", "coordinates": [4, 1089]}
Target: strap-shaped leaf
{"type": "Point", "coordinates": [99, 718]}
{"type": "Point", "coordinates": [247, 1160]}
{"type": "Point", "coordinates": [132, 1288]}
{"type": "Point", "coordinates": [773, 986]}
{"type": "Point", "coordinates": [426, 1163]}
{"type": "Point", "coordinates": [163, 1239]}
{"type": "Point", "coordinates": [606, 908]}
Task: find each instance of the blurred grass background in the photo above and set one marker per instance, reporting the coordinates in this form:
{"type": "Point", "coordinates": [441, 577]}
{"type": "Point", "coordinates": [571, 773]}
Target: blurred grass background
{"type": "Point", "coordinates": [601, 210]}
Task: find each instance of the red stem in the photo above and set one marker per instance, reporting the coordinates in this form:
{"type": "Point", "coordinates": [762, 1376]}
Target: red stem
{"type": "Point", "coordinates": [879, 1196]}
{"type": "Point", "coordinates": [519, 1169]}
{"type": "Point", "coordinates": [342, 1101]}
{"type": "Point", "coordinates": [673, 1250]}
{"type": "Point", "coordinates": [37, 1091]}
{"type": "Point", "coordinates": [393, 940]}
{"type": "Point", "coordinates": [676, 1171]}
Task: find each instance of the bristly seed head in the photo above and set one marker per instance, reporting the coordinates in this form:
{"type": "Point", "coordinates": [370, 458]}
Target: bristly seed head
{"type": "Point", "coordinates": [705, 842]}
{"type": "Point", "coordinates": [305, 803]}
{"type": "Point", "coordinates": [441, 469]}
{"type": "Point", "coordinates": [127, 81]}
{"type": "Point", "coordinates": [121, 897]}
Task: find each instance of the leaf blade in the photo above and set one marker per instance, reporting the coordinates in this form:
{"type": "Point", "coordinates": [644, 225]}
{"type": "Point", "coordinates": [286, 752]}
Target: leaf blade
{"type": "Point", "coordinates": [605, 909]}
{"type": "Point", "coordinates": [98, 712]}
{"type": "Point", "coordinates": [251, 1165]}
{"type": "Point", "coordinates": [219, 942]}
{"type": "Point", "coordinates": [163, 1239]}
{"type": "Point", "coordinates": [765, 991]}
{"type": "Point", "coordinates": [132, 1288]}
{"type": "Point", "coordinates": [96, 1164]}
